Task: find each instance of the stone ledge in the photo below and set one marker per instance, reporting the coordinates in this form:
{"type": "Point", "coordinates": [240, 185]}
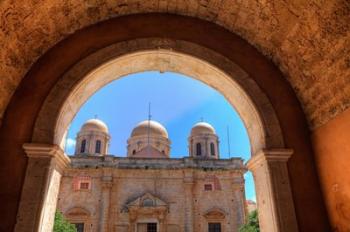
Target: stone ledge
{"type": "Point", "coordinates": [269, 155]}
{"type": "Point", "coordinates": [89, 161]}
{"type": "Point", "coordinates": [37, 150]}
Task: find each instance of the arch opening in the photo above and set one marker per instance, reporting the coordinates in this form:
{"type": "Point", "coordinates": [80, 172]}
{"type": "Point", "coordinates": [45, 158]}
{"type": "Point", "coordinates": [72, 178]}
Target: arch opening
{"type": "Point", "coordinates": [234, 84]}
{"type": "Point", "coordinates": [214, 70]}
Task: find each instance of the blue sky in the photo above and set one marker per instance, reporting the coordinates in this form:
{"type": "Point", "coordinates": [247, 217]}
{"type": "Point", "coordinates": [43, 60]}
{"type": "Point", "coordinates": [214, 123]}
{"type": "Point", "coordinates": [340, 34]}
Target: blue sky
{"type": "Point", "coordinates": [177, 102]}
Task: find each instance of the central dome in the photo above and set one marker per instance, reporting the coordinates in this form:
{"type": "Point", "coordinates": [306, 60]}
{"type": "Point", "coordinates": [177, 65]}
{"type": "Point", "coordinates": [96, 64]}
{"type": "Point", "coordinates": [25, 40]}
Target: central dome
{"type": "Point", "coordinates": [154, 128]}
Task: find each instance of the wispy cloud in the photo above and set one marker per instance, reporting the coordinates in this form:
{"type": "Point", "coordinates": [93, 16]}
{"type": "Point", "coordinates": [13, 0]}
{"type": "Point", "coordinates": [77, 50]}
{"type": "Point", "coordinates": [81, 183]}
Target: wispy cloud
{"type": "Point", "coordinates": [253, 198]}
{"type": "Point", "coordinates": [70, 143]}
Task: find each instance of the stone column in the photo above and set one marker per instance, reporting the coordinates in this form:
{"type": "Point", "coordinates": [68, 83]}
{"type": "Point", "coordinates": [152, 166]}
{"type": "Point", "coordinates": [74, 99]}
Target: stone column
{"type": "Point", "coordinates": [45, 167]}
{"type": "Point", "coordinates": [206, 151]}
{"type": "Point", "coordinates": [189, 214]}
{"type": "Point", "coordinates": [191, 148]}
{"type": "Point", "coordinates": [274, 196]}
{"type": "Point", "coordinates": [217, 149]}
{"type": "Point", "coordinates": [239, 200]}
{"type": "Point", "coordinates": [105, 203]}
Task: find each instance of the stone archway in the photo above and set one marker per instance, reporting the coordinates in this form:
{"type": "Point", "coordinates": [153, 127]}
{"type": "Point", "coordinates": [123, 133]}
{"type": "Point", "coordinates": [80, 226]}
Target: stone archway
{"type": "Point", "coordinates": [52, 71]}
{"type": "Point", "coordinates": [100, 68]}
{"type": "Point", "coordinates": [121, 59]}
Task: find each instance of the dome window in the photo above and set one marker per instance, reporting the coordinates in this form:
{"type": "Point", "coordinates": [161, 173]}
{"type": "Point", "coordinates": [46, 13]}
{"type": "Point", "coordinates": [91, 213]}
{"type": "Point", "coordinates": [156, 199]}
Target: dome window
{"type": "Point", "coordinates": [198, 149]}
{"type": "Point", "coordinates": [98, 147]}
{"type": "Point", "coordinates": [212, 149]}
{"type": "Point", "coordinates": [83, 146]}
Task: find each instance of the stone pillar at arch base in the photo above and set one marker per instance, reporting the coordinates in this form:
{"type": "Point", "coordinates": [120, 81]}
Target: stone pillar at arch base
{"type": "Point", "coordinates": [274, 196]}
{"type": "Point", "coordinates": [37, 208]}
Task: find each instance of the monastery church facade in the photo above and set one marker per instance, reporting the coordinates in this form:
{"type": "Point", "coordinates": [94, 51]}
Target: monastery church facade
{"type": "Point", "coordinates": [148, 191]}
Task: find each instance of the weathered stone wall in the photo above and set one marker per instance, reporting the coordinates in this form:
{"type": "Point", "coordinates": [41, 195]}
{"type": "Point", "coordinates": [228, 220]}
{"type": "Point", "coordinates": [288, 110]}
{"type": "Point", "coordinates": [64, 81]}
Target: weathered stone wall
{"type": "Point", "coordinates": [89, 200]}
{"type": "Point", "coordinates": [167, 184]}
{"type": "Point", "coordinates": [331, 142]}
{"type": "Point", "coordinates": [308, 40]}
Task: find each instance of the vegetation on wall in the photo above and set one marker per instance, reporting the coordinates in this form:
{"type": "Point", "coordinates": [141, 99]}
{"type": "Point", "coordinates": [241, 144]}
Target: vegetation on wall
{"type": "Point", "coordinates": [62, 225]}
{"type": "Point", "coordinates": [252, 224]}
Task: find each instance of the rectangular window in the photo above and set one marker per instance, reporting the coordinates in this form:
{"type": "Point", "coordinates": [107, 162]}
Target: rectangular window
{"type": "Point", "coordinates": [84, 185]}
{"type": "Point", "coordinates": [208, 187]}
{"type": "Point", "coordinates": [214, 227]}
{"type": "Point", "coordinates": [79, 227]}
{"type": "Point", "coordinates": [81, 183]}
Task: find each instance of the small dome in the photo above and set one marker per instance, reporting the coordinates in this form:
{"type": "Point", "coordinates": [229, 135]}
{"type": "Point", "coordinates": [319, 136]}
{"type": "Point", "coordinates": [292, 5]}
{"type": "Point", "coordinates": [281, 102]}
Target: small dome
{"type": "Point", "coordinates": [155, 129]}
{"type": "Point", "coordinates": [94, 125]}
{"type": "Point", "coordinates": [202, 128]}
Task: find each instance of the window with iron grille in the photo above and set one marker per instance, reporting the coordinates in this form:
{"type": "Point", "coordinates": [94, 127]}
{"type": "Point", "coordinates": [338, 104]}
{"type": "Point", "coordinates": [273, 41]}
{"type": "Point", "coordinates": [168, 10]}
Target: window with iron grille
{"type": "Point", "coordinates": [151, 227]}
{"type": "Point", "coordinates": [214, 227]}
{"type": "Point", "coordinates": [84, 185]}
{"type": "Point", "coordinates": [208, 187]}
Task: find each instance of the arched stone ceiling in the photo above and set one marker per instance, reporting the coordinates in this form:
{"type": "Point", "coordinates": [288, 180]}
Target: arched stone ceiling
{"type": "Point", "coordinates": [309, 40]}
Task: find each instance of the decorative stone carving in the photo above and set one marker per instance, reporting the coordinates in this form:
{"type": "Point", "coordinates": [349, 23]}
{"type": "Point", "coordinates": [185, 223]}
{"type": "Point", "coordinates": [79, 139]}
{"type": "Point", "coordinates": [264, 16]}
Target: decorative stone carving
{"type": "Point", "coordinates": [139, 211]}
{"type": "Point", "coordinates": [80, 215]}
{"type": "Point", "coordinates": [215, 214]}
{"type": "Point", "coordinates": [280, 30]}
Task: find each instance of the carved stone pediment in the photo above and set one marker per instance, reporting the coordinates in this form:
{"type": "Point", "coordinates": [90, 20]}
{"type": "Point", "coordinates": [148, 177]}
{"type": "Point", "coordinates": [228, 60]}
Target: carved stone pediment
{"type": "Point", "coordinates": [77, 212]}
{"type": "Point", "coordinates": [147, 200]}
{"type": "Point", "coordinates": [215, 213]}
{"type": "Point", "coordinates": [147, 206]}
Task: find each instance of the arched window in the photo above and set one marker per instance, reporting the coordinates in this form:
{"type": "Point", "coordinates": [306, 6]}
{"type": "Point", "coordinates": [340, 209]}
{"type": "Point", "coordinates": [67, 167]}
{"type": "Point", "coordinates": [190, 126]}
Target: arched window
{"type": "Point", "coordinates": [98, 147]}
{"type": "Point", "coordinates": [212, 149]}
{"type": "Point", "coordinates": [82, 146]}
{"type": "Point", "coordinates": [198, 149]}
{"type": "Point", "coordinates": [134, 152]}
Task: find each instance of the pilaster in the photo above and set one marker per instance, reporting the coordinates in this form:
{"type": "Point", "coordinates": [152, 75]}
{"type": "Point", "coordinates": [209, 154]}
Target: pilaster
{"type": "Point", "coordinates": [274, 196]}
{"type": "Point", "coordinates": [45, 167]}
{"type": "Point", "coordinates": [239, 200]}
{"type": "Point", "coordinates": [189, 207]}
{"type": "Point", "coordinates": [107, 182]}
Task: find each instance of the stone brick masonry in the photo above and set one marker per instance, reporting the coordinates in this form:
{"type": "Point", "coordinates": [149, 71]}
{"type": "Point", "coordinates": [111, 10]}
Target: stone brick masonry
{"type": "Point", "coordinates": [174, 188]}
{"type": "Point", "coordinates": [308, 40]}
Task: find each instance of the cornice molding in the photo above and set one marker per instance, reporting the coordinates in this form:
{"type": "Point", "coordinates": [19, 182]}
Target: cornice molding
{"type": "Point", "coordinates": [39, 150]}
